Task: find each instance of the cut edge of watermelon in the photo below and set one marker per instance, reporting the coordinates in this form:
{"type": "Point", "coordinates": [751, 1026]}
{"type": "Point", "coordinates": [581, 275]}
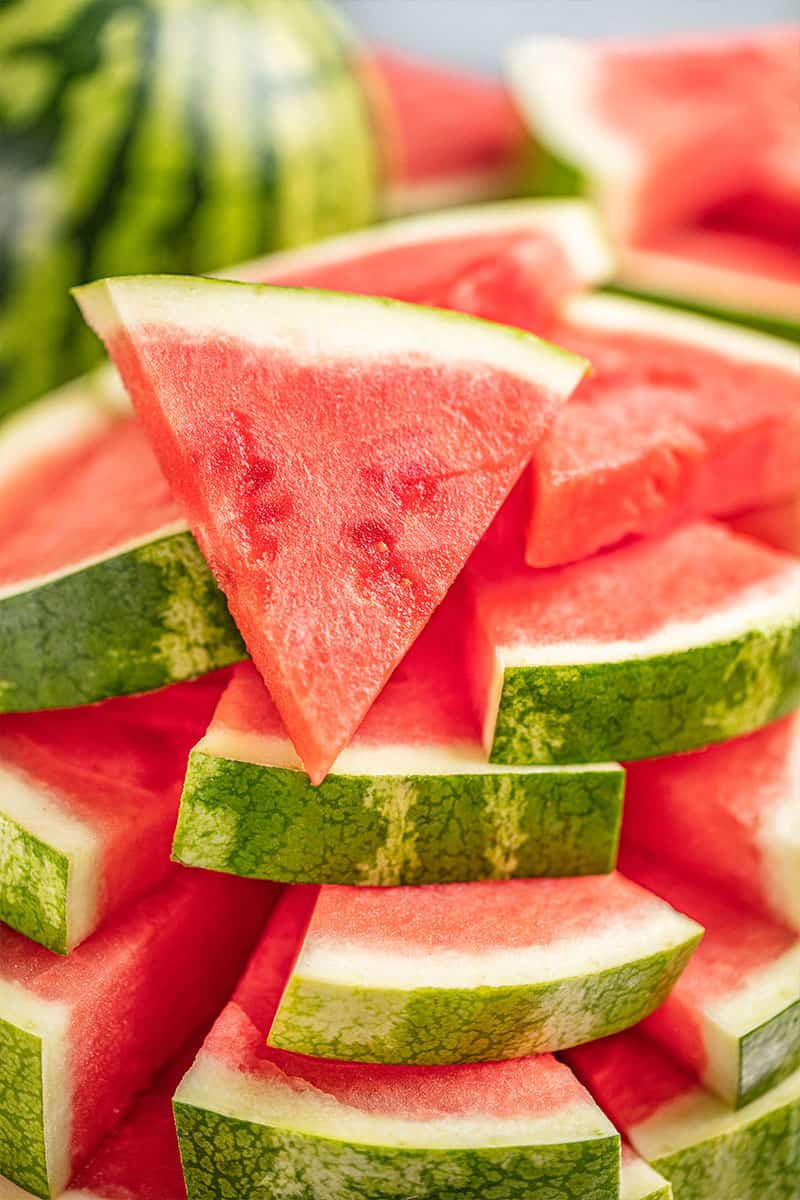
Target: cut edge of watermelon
{"type": "Point", "coordinates": [689, 281]}
{"type": "Point", "coordinates": [639, 1181]}
{"type": "Point", "coordinates": [63, 872]}
{"type": "Point", "coordinates": [357, 327]}
{"type": "Point", "coordinates": [573, 223]}
{"type": "Point", "coordinates": [620, 314]}
{"type": "Point", "coordinates": [779, 840]}
{"type": "Point", "coordinates": [46, 1021]}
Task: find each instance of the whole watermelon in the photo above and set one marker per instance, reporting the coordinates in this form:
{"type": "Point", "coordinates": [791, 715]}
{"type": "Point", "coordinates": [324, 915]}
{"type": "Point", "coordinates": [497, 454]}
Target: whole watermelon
{"type": "Point", "coordinates": [164, 135]}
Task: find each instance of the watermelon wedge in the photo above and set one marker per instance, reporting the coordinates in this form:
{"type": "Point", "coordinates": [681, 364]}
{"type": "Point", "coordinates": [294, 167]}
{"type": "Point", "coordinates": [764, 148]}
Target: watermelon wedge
{"type": "Point", "coordinates": [79, 1037]}
{"type": "Point", "coordinates": [71, 566]}
{"type": "Point", "coordinates": [638, 1180]}
{"type": "Point", "coordinates": [465, 972]}
{"type": "Point", "coordinates": [734, 1016]}
{"type": "Point", "coordinates": [662, 645]}
{"type": "Point", "coordinates": [262, 1122]}
{"type": "Point", "coordinates": [436, 158]}
{"type": "Point", "coordinates": [88, 802]}
{"type": "Point", "coordinates": [410, 800]}
{"type": "Point", "coordinates": [743, 799]}
{"type": "Point", "coordinates": [689, 1136]}
{"type": "Point", "coordinates": [424, 421]}
{"type": "Point", "coordinates": [778, 525]}
{"type": "Point", "coordinates": [681, 417]}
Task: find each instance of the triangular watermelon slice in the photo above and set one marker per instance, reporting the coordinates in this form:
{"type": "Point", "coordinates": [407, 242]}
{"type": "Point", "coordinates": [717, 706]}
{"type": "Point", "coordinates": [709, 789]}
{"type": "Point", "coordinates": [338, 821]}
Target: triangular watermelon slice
{"type": "Point", "coordinates": [338, 457]}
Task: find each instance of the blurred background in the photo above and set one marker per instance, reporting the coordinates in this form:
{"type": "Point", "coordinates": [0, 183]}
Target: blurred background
{"type": "Point", "coordinates": [476, 33]}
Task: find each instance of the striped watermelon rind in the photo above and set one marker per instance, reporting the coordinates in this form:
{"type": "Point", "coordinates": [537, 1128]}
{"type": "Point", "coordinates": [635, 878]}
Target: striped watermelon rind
{"type": "Point", "coordinates": [23, 1079]}
{"type": "Point", "coordinates": [129, 146]}
{"type": "Point", "coordinates": [268, 822]}
{"type": "Point", "coordinates": [36, 884]}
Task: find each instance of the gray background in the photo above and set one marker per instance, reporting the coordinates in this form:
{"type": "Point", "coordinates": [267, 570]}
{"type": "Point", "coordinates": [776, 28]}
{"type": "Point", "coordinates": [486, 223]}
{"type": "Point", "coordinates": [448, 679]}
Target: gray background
{"type": "Point", "coordinates": [473, 33]}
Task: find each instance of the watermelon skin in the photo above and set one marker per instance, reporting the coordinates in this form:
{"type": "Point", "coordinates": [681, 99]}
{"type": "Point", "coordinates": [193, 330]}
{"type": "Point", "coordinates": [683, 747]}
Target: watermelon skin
{"type": "Point", "coordinates": [630, 699]}
{"type": "Point", "coordinates": [638, 1181]}
{"type": "Point", "coordinates": [402, 525]}
{"type": "Point", "coordinates": [139, 141]}
{"type": "Point", "coordinates": [413, 975]}
{"type": "Point", "coordinates": [260, 1122]}
{"type": "Point", "coordinates": [688, 1136]}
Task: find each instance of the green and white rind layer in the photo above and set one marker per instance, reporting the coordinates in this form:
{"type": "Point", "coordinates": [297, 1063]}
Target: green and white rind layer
{"type": "Point", "coordinates": [35, 1091]}
{"type": "Point", "coordinates": [638, 1180]}
{"type": "Point", "coordinates": [779, 845]}
{"type": "Point", "coordinates": [573, 225]}
{"type": "Point", "coordinates": [771, 305]}
{"type": "Point", "coordinates": [355, 328]}
{"type": "Point", "coordinates": [49, 866]}
{"type": "Point", "coordinates": [392, 815]}
{"type": "Point", "coordinates": [709, 1151]}
{"type": "Point", "coordinates": [685, 686]}
{"type": "Point", "coordinates": [752, 1038]}
{"type": "Point", "coordinates": [146, 615]}
{"type": "Point", "coordinates": [351, 1002]}
{"type": "Point", "coordinates": [244, 1136]}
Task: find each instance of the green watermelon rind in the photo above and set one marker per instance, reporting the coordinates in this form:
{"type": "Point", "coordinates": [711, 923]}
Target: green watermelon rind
{"type": "Point", "coordinates": [639, 708]}
{"type": "Point", "coordinates": [639, 1181]}
{"type": "Point", "coordinates": [133, 622]}
{"type": "Point", "coordinates": [270, 823]}
{"type": "Point", "coordinates": [34, 886]}
{"type": "Point", "coordinates": [224, 1155]}
{"type": "Point", "coordinates": [437, 1026]}
{"type": "Point", "coordinates": [23, 1157]}
{"type": "Point", "coordinates": [776, 326]}
{"type": "Point", "coordinates": [775, 1041]}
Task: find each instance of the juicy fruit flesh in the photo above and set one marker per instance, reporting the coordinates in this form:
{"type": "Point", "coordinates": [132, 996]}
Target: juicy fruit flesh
{"type": "Point", "coordinates": [658, 432]}
{"type": "Point", "coordinates": [474, 917]}
{"type": "Point", "coordinates": [632, 592]}
{"type": "Point", "coordinates": [630, 1077]}
{"type": "Point", "coordinates": [98, 497]}
{"type": "Point", "coordinates": [441, 448]}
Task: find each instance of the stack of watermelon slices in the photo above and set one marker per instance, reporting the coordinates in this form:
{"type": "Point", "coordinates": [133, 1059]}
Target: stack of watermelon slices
{"type": "Point", "coordinates": [453, 673]}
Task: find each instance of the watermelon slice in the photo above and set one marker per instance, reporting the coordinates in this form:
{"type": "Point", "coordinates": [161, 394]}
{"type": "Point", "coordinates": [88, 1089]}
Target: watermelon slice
{"type": "Point", "coordinates": [436, 158]}
{"type": "Point", "coordinates": [681, 417]}
{"type": "Point", "coordinates": [88, 801]}
{"type": "Point", "coordinates": [255, 1121]}
{"type": "Point", "coordinates": [777, 524]}
{"type": "Point", "coordinates": [465, 972]}
{"type": "Point", "coordinates": [79, 1037]}
{"type": "Point", "coordinates": [410, 800]}
{"type": "Point", "coordinates": [705, 1150]}
{"type": "Point", "coordinates": [662, 645]}
{"type": "Point", "coordinates": [734, 1016]}
{"type": "Point", "coordinates": [423, 422]}
{"type": "Point", "coordinates": [638, 1180]}
{"type": "Point", "coordinates": [742, 798]}
{"type": "Point", "coordinates": [130, 567]}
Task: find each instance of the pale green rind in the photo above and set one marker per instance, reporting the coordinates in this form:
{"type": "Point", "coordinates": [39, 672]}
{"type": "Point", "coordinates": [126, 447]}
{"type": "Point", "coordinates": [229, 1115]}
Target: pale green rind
{"type": "Point", "coordinates": [459, 1025]}
{"type": "Point", "coordinates": [638, 1181]}
{"type": "Point", "coordinates": [647, 707]}
{"type": "Point", "coordinates": [270, 823]}
{"type": "Point", "coordinates": [130, 623]}
{"type": "Point", "coordinates": [769, 1054]}
{"type": "Point", "coordinates": [22, 1145]}
{"type": "Point", "coordinates": [34, 881]}
{"type": "Point", "coordinates": [760, 1161]}
{"type": "Point", "coordinates": [229, 1159]}
{"type": "Point", "coordinates": [784, 327]}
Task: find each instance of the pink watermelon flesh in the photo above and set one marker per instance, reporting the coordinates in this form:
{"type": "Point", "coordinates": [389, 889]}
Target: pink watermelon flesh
{"type": "Point", "coordinates": [777, 524]}
{"type": "Point", "coordinates": [530, 1086]}
{"type": "Point", "coordinates": [726, 797]}
{"type": "Point", "coordinates": [659, 432]}
{"type": "Point", "coordinates": [452, 136]}
{"type": "Point", "coordinates": [334, 551]}
{"type": "Point", "coordinates": [95, 497]}
{"type": "Point", "coordinates": [139, 1160]}
{"type": "Point", "coordinates": [118, 768]}
{"type": "Point", "coordinates": [138, 988]}
{"type": "Point", "coordinates": [709, 117]}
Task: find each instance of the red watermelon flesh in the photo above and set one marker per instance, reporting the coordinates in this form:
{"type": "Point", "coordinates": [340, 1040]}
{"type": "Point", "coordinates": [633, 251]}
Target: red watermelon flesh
{"type": "Point", "coordinates": [742, 799]}
{"type": "Point", "coordinates": [333, 550]}
{"type": "Point", "coordinates": [453, 137]}
{"type": "Point", "coordinates": [125, 1001]}
{"type": "Point", "coordinates": [664, 428]}
{"type": "Point", "coordinates": [776, 524]}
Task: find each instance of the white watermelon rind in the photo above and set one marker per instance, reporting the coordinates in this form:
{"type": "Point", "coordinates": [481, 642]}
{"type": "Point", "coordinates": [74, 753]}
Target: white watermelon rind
{"type": "Point", "coordinates": [280, 1140]}
{"type": "Point", "coordinates": [638, 1180]}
